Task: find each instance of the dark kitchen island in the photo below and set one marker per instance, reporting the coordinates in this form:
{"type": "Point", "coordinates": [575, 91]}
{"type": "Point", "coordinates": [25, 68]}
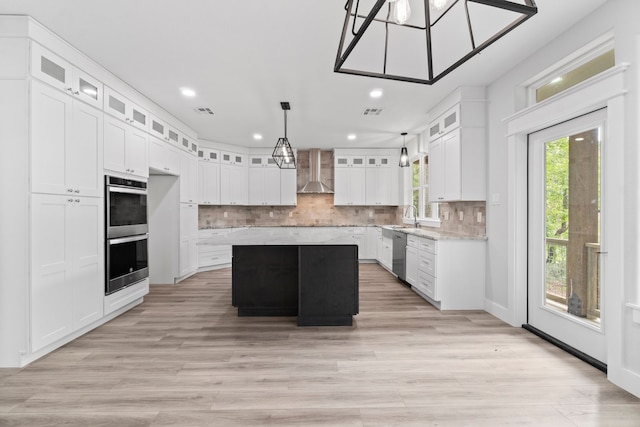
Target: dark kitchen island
{"type": "Point", "coordinates": [317, 283]}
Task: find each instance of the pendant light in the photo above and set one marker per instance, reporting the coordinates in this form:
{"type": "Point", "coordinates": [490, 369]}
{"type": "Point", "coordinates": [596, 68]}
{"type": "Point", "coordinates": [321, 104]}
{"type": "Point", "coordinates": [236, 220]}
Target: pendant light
{"type": "Point", "coordinates": [429, 56]}
{"type": "Point", "coordinates": [282, 153]}
{"type": "Point", "coordinates": [404, 155]}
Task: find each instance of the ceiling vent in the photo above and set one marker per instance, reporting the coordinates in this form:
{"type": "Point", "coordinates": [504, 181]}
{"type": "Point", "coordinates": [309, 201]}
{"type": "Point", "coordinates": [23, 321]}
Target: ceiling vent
{"type": "Point", "coordinates": [203, 110]}
{"type": "Point", "coordinates": [372, 111]}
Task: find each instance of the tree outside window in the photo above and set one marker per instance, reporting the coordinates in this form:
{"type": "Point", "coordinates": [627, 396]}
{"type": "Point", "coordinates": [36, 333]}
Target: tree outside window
{"type": "Point", "coordinates": [420, 189]}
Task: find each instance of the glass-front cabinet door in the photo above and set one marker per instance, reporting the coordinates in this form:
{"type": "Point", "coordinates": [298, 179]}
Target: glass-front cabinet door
{"type": "Point", "coordinates": [57, 72]}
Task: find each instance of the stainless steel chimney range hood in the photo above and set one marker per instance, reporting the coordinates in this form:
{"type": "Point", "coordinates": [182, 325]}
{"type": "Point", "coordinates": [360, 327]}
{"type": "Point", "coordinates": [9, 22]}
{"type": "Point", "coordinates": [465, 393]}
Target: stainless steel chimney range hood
{"type": "Point", "coordinates": [315, 185]}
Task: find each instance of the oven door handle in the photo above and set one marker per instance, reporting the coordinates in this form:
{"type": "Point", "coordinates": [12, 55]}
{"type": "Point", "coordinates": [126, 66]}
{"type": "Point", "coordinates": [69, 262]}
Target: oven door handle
{"type": "Point", "coordinates": [129, 239]}
{"type": "Point", "coordinates": [127, 190]}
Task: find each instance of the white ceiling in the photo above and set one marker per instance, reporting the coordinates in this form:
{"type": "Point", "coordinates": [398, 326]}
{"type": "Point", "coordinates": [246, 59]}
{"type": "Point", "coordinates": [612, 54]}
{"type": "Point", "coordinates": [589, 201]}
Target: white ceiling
{"type": "Point", "coordinates": [244, 57]}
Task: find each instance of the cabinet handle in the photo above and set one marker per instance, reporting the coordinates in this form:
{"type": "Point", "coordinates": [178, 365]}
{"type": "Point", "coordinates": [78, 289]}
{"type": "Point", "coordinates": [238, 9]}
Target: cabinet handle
{"type": "Point", "coordinates": [70, 90]}
{"type": "Point", "coordinates": [76, 93]}
{"type": "Point", "coordinates": [77, 200]}
{"type": "Point", "coordinates": [76, 191]}
{"type": "Point", "coordinates": [69, 190]}
{"type": "Point", "coordinates": [70, 200]}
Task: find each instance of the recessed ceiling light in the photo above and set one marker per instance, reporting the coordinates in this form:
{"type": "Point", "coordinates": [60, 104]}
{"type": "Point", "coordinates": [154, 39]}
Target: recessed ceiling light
{"type": "Point", "coordinates": [351, 137]}
{"type": "Point", "coordinates": [189, 93]}
{"type": "Point", "coordinates": [376, 93]}
{"type": "Point", "coordinates": [257, 136]}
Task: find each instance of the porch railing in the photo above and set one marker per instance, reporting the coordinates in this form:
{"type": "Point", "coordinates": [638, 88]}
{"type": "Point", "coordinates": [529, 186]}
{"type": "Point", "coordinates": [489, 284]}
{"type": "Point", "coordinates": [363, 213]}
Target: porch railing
{"type": "Point", "coordinates": [557, 289]}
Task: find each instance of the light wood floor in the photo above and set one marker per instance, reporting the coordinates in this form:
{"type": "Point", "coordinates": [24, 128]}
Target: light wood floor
{"type": "Point", "coordinates": [183, 358]}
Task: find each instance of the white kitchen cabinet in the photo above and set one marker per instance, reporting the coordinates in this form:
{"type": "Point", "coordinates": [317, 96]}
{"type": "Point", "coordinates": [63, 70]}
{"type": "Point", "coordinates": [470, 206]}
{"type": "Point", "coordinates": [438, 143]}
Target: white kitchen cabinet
{"type": "Point", "coordinates": [123, 108]}
{"type": "Point", "coordinates": [162, 130]}
{"type": "Point", "coordinates": [288, 187]}
{"type": "Point", "coordinates": [208, 155]}
{"type": "Point", "coordinates": [67, 144]}
{"type": "Point", "coordinates": [125, 148]}
{"type": "Point", "coordinates": [164, 157]}
{"type": "Point", "coordinates": [52, 69]}
{"type": "Point", "coordinates": [384, 250]}
{"type": "Point", "coordinates": [349, 161]}
{"type": "Point", "coordinates": [349, 181]}
{"type": "Point", "coordinates": [457, 153]}
{"type": "Point", "coordinates": [233, 179]}
{"type": "Point", "coordinates": [208, 183]}
{"type": "Point", "coordinates": [188, 144]}
{"type": "Point", "coordinates": [188, 238]}
{"type": "Point", "coordinates": [411, 269]}
{"type": "Point", "coordinates": [264, 181]}
{"type": "Point", "coordinates": [372, 234]}
{"type": "Point", "coordinates": [67, 267]}
{"type": "Point", "coordinates": [440, 278]}
{"type": "Point", "coordinates": [214, 249]}
{"type": "Point", "coordinates": [457, 166]}
{"type": "Point", "coordinates": [188, 178]}
{"type": "Point", "coordinates": [445, 123]}
{"type": "Point", "coordinates": [379, 181]}
{"type": "Point", "coordinates": [235, 159]}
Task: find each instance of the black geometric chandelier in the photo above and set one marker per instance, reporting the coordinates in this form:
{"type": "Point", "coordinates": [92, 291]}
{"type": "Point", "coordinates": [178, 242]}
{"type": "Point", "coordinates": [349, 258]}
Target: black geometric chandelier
{"type": "Point", "coordinates": [421, 41]}
{"type": "Point", "coordinates": [282, 153]}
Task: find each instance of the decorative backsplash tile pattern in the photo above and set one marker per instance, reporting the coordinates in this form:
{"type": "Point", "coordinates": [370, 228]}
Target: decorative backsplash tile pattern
{"type": "Point", "coordinates": [312, 210]}
{"type": "Point", "coordinates": [469, 224]}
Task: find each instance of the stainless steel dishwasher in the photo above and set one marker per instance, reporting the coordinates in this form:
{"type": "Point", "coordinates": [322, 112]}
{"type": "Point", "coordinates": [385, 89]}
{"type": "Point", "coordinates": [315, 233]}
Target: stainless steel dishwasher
{"type": "Point", "coordinates": [399, 266]}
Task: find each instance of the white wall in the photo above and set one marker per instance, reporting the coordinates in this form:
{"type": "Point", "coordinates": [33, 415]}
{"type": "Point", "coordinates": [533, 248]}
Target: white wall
{"type": "Point", "coordinates": [504, 99]}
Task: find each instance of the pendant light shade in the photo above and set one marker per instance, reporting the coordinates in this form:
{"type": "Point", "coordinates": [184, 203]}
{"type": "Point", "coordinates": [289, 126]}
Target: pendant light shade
{"type": "Point", "coordinates": [404, 155]}
{"type": "Point", "coordinates": [283, 153]}
{"type": "Point", "coordinates": [421, 41]}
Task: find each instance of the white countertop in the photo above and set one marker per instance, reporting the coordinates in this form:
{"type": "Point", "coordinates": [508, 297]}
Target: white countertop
{"type": "Point", "coordinates": [432, 233]}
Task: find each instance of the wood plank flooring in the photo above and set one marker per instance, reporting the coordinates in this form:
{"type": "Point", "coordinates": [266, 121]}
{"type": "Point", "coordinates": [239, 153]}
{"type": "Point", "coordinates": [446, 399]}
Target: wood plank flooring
{"type": "Point", "coordinates": [184, 358]}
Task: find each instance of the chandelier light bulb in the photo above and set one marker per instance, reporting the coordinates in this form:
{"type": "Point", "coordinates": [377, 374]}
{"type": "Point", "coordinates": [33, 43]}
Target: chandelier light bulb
{"type": "Point", "coordinates": [402, 11]}
{"type": "Point", "coordinates": [438, 4]}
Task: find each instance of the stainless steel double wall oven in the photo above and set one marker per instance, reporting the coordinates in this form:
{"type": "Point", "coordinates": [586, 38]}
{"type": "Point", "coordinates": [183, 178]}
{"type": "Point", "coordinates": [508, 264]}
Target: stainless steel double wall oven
{"type": "Point", "coordinates": [127, 231]}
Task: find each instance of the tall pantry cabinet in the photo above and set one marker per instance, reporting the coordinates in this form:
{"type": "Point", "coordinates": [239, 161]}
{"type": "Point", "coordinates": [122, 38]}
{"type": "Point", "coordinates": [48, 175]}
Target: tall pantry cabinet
{"type": "Point", "coordinates": [52, 220]}
{"type": "Point", "coordinates": [62, 129]}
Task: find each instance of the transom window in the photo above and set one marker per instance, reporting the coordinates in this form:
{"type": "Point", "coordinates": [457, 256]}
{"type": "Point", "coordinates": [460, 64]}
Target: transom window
{"type": "Point", "coordinates": [591, 60]}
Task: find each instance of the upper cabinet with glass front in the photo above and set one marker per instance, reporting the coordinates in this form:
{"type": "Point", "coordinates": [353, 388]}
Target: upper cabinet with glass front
{"type": "Point", "coordinates": [54, 70]}
{"type": "Point", "coordinates": [124, 109]}
{"type": "Point", "coordinates": [464, 108]}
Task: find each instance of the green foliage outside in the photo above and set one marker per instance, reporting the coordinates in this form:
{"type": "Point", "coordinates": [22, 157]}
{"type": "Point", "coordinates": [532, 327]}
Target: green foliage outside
{"type": "Point", "coordinates": [557, 188]}
{"type": "Point", "coordinates": [557, 215]}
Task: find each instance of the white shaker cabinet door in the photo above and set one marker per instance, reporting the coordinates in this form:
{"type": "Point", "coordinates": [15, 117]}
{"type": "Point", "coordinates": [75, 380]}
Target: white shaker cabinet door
{"type": "Point", "coordinates": [84, 152]}
{"type": "Point", "coordinates": [188, 178]}
{"type": "Point", "coordinates": [208, 183]}
{"type": "Point", "coordinates": [288, 187]}
{"type": "Point", "coordinates": [87, 255]}
{"type": "Point", "coordinates": [66, 137]}
{"type": "Point", "coordinates": [137, 152]}
{"type": "Point", "coordinates": [51, 270]}
{"type": "Point", "coordinates": [115, 142]}
{"type": "Point", "coordinates": [51, 115]}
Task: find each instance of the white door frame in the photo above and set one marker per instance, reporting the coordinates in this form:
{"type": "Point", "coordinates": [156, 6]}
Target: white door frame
{"type": "Point", "coordinates": [604, 90]}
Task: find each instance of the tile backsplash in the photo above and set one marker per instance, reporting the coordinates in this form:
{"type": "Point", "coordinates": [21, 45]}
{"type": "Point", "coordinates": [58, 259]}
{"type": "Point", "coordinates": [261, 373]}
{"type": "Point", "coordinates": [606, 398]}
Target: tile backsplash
{"type": "Point", "coordinates": [473, 222]}
{"type": "Point", "coordinates": [311, 210]}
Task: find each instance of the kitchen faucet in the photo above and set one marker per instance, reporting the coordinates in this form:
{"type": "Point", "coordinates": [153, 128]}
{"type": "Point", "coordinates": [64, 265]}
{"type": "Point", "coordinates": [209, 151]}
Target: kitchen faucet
{"type": "Point", "coordinates": [416, 224]}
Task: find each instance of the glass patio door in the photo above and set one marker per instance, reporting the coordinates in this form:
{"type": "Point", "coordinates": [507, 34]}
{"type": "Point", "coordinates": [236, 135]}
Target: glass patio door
{"type": "Point", "coordinates": [565, 234]}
